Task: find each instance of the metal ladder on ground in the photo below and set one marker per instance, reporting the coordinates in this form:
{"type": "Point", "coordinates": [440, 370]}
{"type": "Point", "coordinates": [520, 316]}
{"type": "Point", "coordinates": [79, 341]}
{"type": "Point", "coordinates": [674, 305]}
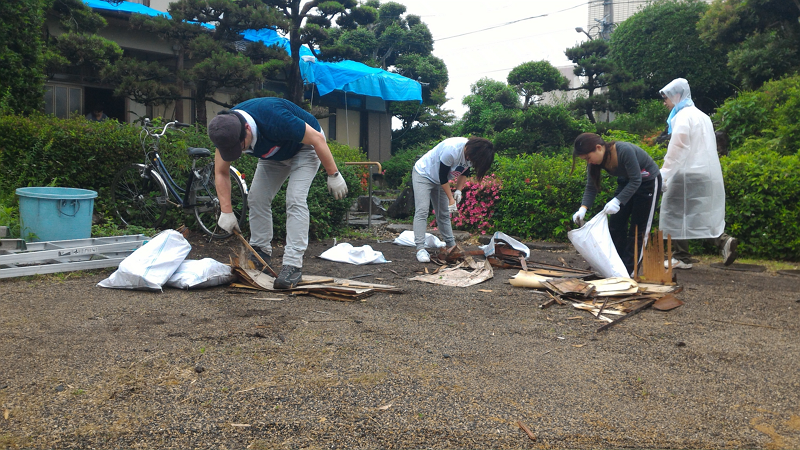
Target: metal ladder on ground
{"type": "Point", "coordinates": [18, 258]}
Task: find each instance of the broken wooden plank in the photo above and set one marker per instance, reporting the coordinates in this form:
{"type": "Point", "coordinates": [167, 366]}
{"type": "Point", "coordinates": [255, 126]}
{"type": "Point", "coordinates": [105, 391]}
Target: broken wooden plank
{"type": "Point", "coordinates": [526, 430]}
{"type": "Point", "coordinates": [645, 304]}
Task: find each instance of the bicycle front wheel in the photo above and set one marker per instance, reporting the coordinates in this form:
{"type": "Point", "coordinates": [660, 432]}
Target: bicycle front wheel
{"type": "Point", "coordinates": [139, 196]}
{"type": "Point", "coordinates": [206, 203]}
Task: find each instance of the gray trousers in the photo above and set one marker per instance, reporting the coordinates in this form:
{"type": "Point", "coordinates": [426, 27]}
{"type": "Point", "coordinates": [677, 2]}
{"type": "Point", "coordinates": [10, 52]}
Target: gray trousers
{"type": "Point", "coordinates": [267, 181]}
{"type": "Point", "coordinates": [680, 247]}
{"type": "Point", "coordinates": [427, 194]}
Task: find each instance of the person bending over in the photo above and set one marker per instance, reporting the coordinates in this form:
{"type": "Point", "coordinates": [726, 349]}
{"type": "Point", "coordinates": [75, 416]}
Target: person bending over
{"type": "Point", "coordinates": [289, 144]}
{"type": "Point", "coordinates": [636, 196]}
{"type": "Point", "coordinates": [451, 159]}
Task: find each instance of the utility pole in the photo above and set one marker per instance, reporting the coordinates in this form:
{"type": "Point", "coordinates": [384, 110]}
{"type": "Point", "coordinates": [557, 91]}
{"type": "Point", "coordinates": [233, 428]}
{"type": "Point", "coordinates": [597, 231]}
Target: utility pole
{"type": "Point", "coordinates": [608, 19]}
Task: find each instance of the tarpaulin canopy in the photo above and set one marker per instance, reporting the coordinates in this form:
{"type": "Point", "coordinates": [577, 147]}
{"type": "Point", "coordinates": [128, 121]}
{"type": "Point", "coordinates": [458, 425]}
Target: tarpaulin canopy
{"type": "Point", "coordinates": [126, 7]}
{"type": "Point", "coordinates": [347, 76]}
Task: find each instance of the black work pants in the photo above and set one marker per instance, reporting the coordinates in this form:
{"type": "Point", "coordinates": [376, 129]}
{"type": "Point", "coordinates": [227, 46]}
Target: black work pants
{"type": "Point", "coordinates": [637, 213]}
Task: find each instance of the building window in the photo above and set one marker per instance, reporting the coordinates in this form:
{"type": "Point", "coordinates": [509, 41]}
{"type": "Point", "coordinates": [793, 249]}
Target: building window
{"type": "Point", "coordinates": [62, 100]}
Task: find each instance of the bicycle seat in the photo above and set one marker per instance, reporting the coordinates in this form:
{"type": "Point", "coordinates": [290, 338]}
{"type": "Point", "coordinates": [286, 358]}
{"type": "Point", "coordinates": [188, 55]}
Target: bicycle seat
{"type": "Point", "coordinates": [199, 152]}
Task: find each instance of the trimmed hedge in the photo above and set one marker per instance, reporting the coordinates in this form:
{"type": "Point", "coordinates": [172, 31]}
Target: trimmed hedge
{"type": "Point", "coordinates": [761, 207]}
{"type": "Point", "coordinates": [43, 150]}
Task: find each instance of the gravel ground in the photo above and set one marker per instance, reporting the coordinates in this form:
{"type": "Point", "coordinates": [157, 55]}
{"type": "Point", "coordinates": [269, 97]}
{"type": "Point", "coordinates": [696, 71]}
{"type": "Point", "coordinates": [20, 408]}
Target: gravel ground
{"type": "Point", "coordinates": [435, 367]}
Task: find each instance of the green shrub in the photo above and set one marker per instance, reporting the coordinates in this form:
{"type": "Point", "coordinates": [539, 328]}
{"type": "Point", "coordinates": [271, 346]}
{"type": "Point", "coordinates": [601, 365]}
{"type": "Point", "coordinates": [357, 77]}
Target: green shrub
{"type": "Point", "coordinates": [761, 208]}
{"type": "Point", "coordinates": [397, 170]}
{"type": "Point", "coordinates": [539, 195]}
{"type": "Point", "coordinates": [650, 116]}
{"type": "Point", "coordinates": [46, 151]}
{"type": "Point", "coordinates": [541, 129]}
{"type": "Point", "coordinates": [770, 112]}
{"type": "Point", "coordinates": [9, 217]}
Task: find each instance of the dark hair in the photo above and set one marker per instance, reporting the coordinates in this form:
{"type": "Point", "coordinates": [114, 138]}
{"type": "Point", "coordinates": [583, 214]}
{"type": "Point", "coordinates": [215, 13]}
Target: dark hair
{"type": "Point", "coordinates": [480, 153]}
{"type": "Point", "coordinates": [586, 143]}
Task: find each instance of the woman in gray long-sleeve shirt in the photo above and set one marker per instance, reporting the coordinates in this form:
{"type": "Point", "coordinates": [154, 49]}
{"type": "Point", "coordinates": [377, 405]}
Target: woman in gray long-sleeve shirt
{"type": "Point", "coordinates": [636, 196]}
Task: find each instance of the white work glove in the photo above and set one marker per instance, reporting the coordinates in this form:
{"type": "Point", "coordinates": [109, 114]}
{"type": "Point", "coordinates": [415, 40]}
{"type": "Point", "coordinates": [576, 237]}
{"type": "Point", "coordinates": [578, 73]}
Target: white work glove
{"type": "Point", "coordinates": [612, 207]}
{"type": "Point", "coordinates": [578, 216]}
{"type": "Point", "coordinates": [663, 187]}
{"type": "Point", "coordinates": [337, 186]}
{"type": "Point", "coordinates": [228, 222]}
{"type": "Point", "coordinates": [457, 196]}
{"type": "Point", "coordinates": [452, 207]}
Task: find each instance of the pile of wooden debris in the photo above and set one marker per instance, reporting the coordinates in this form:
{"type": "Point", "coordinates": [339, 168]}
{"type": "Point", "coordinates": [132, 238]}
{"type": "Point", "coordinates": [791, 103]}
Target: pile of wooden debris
{"type": "Point", "coordinates": [330, 288]}
{"type": "Point", "coordinates": [602, 297]}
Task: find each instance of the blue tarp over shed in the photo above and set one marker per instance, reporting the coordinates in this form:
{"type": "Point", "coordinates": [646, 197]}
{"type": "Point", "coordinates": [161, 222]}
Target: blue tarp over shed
{"type": "Point", "coordinates": [347, 76]}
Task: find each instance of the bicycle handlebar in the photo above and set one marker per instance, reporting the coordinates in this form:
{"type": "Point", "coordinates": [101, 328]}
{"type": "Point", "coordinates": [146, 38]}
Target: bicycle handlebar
{"type": "Point", "coordinates": [174, 124]}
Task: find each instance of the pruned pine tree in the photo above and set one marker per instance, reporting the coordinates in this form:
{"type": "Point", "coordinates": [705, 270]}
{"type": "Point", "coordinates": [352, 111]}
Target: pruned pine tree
{"type": "Point", "coordinates": [207, 58]}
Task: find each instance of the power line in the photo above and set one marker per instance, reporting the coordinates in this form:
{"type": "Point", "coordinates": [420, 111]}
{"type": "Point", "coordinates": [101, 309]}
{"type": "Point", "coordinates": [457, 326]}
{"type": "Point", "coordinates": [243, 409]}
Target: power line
{"type": "Point", "coordinates": [490, 28]}
{"type": "Point", "coordinates": [508, 23]}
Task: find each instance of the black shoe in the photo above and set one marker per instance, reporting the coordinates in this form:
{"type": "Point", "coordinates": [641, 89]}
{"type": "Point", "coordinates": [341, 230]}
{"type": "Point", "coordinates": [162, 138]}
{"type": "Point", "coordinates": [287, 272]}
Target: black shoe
{"type": "Point", "coordinates": [266, 257]}
{"type": "Point", "coordinates": [288, 278]}
{"type": "Point", "coordinates": [729, 251]}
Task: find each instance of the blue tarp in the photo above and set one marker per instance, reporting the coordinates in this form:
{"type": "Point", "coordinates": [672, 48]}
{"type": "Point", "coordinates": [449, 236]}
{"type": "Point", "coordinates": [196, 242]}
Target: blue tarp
{"type": "Point", "coordinates": [348, 76]}
{"type": "Point", "coordinates": [126, 7]}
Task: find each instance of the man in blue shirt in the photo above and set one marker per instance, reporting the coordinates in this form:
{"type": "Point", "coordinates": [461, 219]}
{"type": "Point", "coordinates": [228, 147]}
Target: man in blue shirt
{"type": "Point", "coordinates": [290, 144]}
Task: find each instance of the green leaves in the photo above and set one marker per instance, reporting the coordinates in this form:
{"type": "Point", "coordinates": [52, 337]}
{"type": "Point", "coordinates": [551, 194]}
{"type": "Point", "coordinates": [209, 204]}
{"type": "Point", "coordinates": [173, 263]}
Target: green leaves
{"type": "Point", "coordinates": [534, 78]}
{"type": "Point", "coordinates": [761, 208]}
{"type": "Point", "coordinates": [661, 42]}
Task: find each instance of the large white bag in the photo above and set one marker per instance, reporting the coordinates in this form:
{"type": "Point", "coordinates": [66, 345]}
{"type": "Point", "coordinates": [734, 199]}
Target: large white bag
{"type": "Point", "coordinates": [151, 265]}
{"type": "Point", "coordinates": [346, 253]}
{"type": "Point", "coordinates": [593, 242]}
{"type": "Point", "coordinates": [406, 239]}
{"type": "Point", "coordinates": [194, 274]}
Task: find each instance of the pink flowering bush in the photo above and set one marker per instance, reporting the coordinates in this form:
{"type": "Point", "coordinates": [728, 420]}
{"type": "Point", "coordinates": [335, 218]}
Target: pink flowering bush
{"type": "Point", "coordinates": [476, 209]}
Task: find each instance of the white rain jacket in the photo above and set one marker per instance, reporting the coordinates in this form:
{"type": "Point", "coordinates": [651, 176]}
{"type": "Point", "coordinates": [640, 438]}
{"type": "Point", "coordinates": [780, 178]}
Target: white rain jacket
{"type": "Point", "coordinates": [693, 206]}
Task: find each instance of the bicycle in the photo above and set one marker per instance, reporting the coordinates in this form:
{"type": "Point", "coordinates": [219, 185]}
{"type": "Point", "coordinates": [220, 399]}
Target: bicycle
{"type": "Point", "coordinates": [141, 193]}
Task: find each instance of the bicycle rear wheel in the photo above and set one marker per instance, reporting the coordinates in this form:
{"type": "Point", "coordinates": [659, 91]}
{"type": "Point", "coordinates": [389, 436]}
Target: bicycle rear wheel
{"type": "Point", "coordinates": [139, 196]}
{"type": "Point", "coordinates": [207, 209]}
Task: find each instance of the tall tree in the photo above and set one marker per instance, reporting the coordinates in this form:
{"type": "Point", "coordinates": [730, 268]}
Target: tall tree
{"type": "Point", "coordinates": [306, 23]}
{"type": "Point", "coordinates": [383, 35]}
{"type": "Point", "coordinates": [761, 38]}
{"type": "Point", "coordinates": [207, 58]}
{"type": "Point", "coordinates": [661, 43]}
{"type": "Point", "coordinates": [493, 106]}
{"type": "Point", "coordinates": [534, 78]}
{"type": "Point", "coordinates": [21, 54]}
{"type": "Point", "coordinates": [30, 49]}
{"type": "Point", "coordinates": [591, 63]}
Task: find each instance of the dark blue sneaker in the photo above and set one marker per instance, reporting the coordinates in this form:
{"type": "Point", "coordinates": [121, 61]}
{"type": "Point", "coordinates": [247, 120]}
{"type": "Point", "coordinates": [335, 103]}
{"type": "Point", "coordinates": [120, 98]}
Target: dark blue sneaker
{"type": "Point", "coordinates": [264, 255]}
{"type": "Point", "coordinates": [288, 278]}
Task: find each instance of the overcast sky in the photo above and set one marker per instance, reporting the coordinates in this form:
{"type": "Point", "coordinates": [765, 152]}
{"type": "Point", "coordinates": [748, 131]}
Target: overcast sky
{"type": "Point", "coordinates": [493, 53]}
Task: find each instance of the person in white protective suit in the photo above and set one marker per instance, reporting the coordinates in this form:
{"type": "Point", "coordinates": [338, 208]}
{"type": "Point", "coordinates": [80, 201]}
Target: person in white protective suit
{"type": "Point", "coordinates": [693, 201]}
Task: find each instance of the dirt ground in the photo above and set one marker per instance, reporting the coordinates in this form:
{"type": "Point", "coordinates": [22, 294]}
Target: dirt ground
{"type": "Point", "coordinates": [435, 367]}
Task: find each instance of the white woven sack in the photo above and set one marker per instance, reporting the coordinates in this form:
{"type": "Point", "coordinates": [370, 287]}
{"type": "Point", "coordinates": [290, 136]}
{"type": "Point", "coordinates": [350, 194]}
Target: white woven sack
{"type": "Point", "coordinates": [593, 242]}
{"type": "Point", "coordinates": [151, 265]}
{"type": "Point", "coordinates": [194, 274]}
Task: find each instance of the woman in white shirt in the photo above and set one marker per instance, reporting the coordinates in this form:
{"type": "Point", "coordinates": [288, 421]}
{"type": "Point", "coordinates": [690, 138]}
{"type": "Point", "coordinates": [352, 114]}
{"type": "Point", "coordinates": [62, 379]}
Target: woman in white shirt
{"type": "Point", "coordinates": [451, 159]}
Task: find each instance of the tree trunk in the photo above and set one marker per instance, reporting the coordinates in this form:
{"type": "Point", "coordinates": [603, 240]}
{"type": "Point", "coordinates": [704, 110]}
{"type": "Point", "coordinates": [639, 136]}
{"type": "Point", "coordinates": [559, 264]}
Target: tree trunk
{"type": "Point", "coordinates": [179, 85]}
{"type": "Point", "coordinates": [295, 79]}
{"type": "Point", "coordinates": [200, 104]}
